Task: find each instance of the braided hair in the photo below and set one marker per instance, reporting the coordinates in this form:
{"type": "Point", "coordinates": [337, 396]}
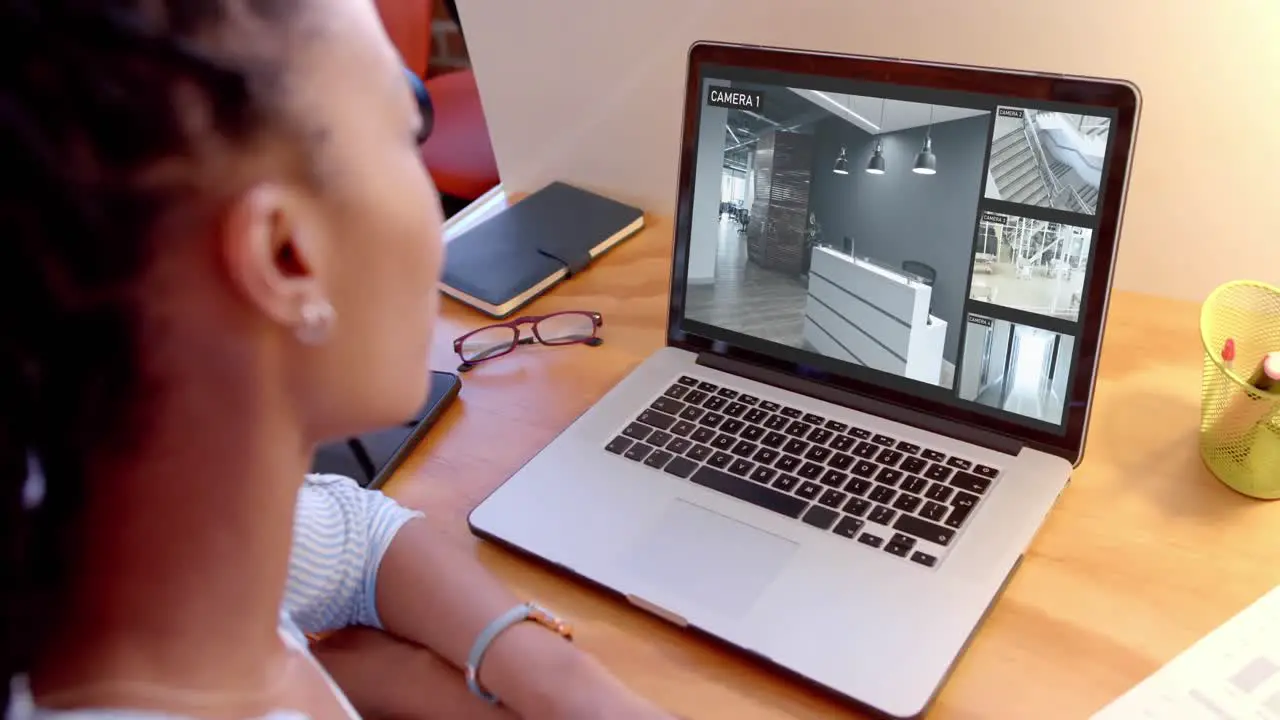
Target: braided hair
{"type": "Point", "coordinates": [94, 96]}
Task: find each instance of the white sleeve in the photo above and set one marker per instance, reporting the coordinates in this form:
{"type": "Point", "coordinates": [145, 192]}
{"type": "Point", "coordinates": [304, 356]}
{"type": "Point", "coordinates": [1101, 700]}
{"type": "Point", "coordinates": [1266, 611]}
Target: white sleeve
{"type": "Point", "coordinates": [341, 531]}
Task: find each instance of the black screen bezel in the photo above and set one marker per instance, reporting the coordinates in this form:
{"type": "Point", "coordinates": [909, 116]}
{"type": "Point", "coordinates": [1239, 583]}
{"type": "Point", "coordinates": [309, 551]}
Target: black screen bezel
{"type": "Point", "coordinates": [1007, 87]}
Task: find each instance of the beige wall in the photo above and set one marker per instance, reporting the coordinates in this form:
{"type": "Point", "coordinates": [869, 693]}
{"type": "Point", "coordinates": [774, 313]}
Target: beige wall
{"type": "Point", "coordinates": [589, 91]}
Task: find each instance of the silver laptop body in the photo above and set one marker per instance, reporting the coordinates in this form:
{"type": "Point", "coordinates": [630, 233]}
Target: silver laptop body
{"type": "Point", "coordinates": [838, 460]}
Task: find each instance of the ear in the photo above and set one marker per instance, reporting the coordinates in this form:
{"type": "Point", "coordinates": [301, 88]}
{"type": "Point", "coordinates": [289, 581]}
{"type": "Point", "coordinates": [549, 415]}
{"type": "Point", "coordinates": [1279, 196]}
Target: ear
{"type": "Point", "coordinates": [273, 247]}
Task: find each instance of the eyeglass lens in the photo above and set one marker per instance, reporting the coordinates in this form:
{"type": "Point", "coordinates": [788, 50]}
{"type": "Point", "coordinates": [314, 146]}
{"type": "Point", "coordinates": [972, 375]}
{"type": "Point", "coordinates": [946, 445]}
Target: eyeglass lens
{"type": "Point", "coordinates": [562, 329]}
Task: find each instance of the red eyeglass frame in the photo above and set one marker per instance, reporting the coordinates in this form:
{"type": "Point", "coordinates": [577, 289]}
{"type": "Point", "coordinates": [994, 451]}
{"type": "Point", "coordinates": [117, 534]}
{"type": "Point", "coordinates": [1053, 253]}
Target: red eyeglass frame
{"type": "Point", "coordinates": [597, 322]}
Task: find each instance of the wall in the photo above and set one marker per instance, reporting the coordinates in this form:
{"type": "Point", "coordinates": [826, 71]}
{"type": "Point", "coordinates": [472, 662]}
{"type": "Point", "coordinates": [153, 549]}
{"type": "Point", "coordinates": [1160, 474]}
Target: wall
{"type": "Point", "coordinates": [608, 82]}
{"type": "Point", "coordinates": [448, 50]}
{"type": "Point", "coordinates": [705, 238]}
{"type": "Point", "coordinates": [901, 215]}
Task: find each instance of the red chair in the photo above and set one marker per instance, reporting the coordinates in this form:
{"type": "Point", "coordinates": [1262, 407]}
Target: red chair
{"type": "Point", "coordinates": [458, 153]}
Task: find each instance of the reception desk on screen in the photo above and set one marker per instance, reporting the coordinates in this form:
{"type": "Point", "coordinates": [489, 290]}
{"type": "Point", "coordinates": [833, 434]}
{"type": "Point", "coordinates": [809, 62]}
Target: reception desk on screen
{"type": "Point", "coordinates": [872, 315]}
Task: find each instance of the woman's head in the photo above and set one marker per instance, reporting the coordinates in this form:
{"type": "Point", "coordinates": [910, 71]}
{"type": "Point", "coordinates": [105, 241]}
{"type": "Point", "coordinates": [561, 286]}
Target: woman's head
{"type": "Point", "coordinates": [216, 192]}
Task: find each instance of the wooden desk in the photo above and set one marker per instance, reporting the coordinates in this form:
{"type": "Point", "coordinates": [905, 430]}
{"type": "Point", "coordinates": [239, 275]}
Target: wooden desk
{"type": "Point", "coordinates": [1144, 553]}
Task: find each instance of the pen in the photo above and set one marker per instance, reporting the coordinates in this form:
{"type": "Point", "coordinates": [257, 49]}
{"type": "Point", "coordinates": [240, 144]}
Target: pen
{"type": "Point", "coordinates": [1267, 376]}
{"type": "Point", "coordinates": [1229, 354]}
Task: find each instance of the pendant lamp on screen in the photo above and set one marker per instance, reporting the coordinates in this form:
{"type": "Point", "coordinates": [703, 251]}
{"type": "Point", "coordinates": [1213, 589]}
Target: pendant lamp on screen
{"type": "Point", "coordinates": [842, 164]}
{"type": "Point", "coordinates": [926, 161]}
{"type": "Point", "coordinates": [876, 165]}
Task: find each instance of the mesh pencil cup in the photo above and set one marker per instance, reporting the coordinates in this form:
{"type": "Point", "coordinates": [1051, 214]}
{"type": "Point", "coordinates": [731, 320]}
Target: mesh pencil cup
{"type": "Point", "coordinates": [1240, 424]}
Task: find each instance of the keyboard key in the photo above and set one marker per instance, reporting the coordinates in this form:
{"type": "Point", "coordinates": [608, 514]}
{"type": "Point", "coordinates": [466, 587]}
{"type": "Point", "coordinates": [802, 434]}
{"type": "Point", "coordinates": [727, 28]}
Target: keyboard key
{"type": "Point", "coordinates": [773, 440]}
{"type": "Point", "coordinates": [753, 493]}
{"type": "Point", "coordinates": [865, 468]}
{"type": "Point", "coordinates": [914, 465]}
{"type": "Point", "coordinates": [813, 419]}
{"type": "Point", "coordinates": [933, 456]}
{"type": "Point", "coordinates": [714, 403]}
{"type": "Point", "coordinates": [958, 515]}
{"type": "Point", "coordinates": [660, 439]}
{"type": "Point", "coordinates": [809, 491]}
{"type": "Point", "coordinates": [687, 381]}
{"type": "Point", "coordinates": [675, 392]}
{"type": "Point", "coordinates": [703, 435]}
{"type": "Point", "coordinates": [723, 441]}
{"type": "Point", "coordinates": [832, 499]}
{"type": "Point", "coordinates": [711, 420]}
{"type": "Point", "coordinates": [959, 463]}
{"type": "Point", "coordinates": [866, 450]}
{"type": "Point", "coordinates": [786, 482]}
{"type": "Point", "coordinates": [897, 549]}
{"type": "Point", "coordinates": [795, 447]}
{"type": "Point", "coordinates": [889, 476]}
{"type": "Point", "coordinates": [798, 429]}
{"type": "Point", "coordinates": [882, 494]}
{"type": "Point", "coordinates": [858, 486]}
{"type": "Point", "coordinates": [748, 399]}
{"type": "Point", "coordinates": [696, 397]}
{"type": "Point", "coordinates": [889, 457]}
{"type": "Point", "coordinates": [842, 443]}
{"type": "Point", "coordinates": [817, 453]}
{"type": "Point", "coordinates": [692, 413]}
{"type": "Point", "coordinates": [658, 459]}
{"type": "Point", "coordinates": [636, 431]}
{"type": "Point", "coordinates": [821, 517]}
{"type": "Point", "coordinates": [937, 472]}
{"type": "Point", "coordinates": [834, 478]}
{"type": "Point", "coordinates": [679, 446]}
{"type": "Point", "coordinates": [810, 471]}
{"type": "Point", "coordinates": [681, 467]}
{"type": "Point", "coordinates": [908, 448]}
{"type": "Point", "coordinates": [860, 433]}
{"type": "Point", "coordinates": [786, 463]}
{"type": "Point", "coordinates": [970, 482]}
{"type": "Point", "coordinates": [734, 409]}
{"type": "Point", "coordinates": [791, 412]}
{"type": "Point", "coordinates": [924, 559]}
{"type": "Point", "coordinates": [901, 539]}
{"type": "Point", "coordinates": [682, 428]}
{"type": "Point", "coordinates": [744, 467]}
{"type": "Point", "coordinates": [638, 452]}
{"type": "Point", "coordinates": [847, 527]}
{"type": "Point", "coordinates": [727, 394]}
{"type": "Point", "coordinates": [766, 456]}
{"type": "Point", "coordinates": [752, 433]}
{"type": "Point", "coordinates": [770, 406]}
{"type": "Point", "coordinates": [744, 448]}
{"type": "Point", "coordinates": [776, 422]}
{"type": "Point", "coordinates": [939, 492]}
{"type": "Point", "coordinates": [732, 426]}
{"type": "Point", "coordinates": [964, 499]}
{"type": "Point", "coordinates": [883, 440]}
{"type": "Point", "coordinates": [720, 460]}
{"type": "Point", "coordinates": [705, 386]}
{"type": "Point", "coordinates": [840, 461]}
{"type": "Point", "coordinates": [763, 475]}
{"type": "Point", "coordinates": [923, 529]}
{"type": "Point", "coordinates": [668, 406]}
{"type": "Point", "coordinates": [755, 415]}
{"type": "Point", "coordinates": [881, 514]}
{"type": "Point", "coordinates": [907, 502]}
{"type": "Point", "coordinates": [698, 452]}
{"type": "Point", "coordinates": [835, 427]}
{"type": "Point", "coordinates": [934, 511]}
{"type": "Point", "coordinates": [914, 484]}
{"type": "Point", "coordinates": [869, 539]}
{"type": "Point", "coordinates": [618, 445]}
{"type": "Point", "coordinates": [857, 506]}
{"type": "Point", "coordinates": [985, 471]}
{"type": "Point", "coordinates": [820, 436]}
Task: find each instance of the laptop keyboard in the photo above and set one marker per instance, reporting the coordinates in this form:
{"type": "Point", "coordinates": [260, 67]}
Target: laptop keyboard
{"type": "Point", "coordinates": [888, 494]}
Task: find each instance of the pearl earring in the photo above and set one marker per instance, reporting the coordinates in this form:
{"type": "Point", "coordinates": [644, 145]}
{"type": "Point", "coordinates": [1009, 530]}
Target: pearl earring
{"type": "Point", "coordinates": [317, 322]}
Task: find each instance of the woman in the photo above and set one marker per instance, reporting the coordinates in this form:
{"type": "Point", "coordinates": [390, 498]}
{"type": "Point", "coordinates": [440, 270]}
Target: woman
{"type": "Point", "coordinates": [220, 248]}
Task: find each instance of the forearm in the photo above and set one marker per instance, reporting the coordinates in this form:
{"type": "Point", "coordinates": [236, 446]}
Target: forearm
{"type": "Point", "coordinates": [433, 594]}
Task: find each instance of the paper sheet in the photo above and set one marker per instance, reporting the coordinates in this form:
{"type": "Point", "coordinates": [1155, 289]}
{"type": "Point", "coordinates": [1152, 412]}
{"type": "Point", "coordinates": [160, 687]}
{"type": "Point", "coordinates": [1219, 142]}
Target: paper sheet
{"type": "Point", "coordinates": [1233, 673]}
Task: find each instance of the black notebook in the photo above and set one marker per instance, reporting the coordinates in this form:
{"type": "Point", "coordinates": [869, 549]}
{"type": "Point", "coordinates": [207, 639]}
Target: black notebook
{"type": "Point", "coordinates": [509, 259]}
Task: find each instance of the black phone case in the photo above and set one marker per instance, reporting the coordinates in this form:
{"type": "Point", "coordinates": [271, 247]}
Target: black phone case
{"type": "Point", "coordinates": [370, 459]}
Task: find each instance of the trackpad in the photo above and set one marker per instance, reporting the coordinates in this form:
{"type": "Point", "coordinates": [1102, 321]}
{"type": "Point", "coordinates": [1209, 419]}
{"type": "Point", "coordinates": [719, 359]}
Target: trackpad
{"type": "Point", "coordinates": [707, 559]}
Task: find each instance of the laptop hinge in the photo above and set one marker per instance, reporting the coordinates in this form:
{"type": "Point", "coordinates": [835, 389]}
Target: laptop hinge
{"type": "Point", "coordinates": [853, 401]}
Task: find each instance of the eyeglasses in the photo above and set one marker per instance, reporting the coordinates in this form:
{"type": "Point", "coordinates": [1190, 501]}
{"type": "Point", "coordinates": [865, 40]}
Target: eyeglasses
{"type": "Point", "coordinates": [574, 327]}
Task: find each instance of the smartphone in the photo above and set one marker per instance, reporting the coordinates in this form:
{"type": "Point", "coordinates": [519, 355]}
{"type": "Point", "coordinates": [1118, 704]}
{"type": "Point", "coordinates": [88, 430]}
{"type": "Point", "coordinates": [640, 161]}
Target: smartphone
{"type": "Point", "coordinates": [370, 459]}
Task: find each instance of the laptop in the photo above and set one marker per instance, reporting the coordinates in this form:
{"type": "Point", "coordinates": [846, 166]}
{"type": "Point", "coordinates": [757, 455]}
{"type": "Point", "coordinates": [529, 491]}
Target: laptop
{"type": "Point", "coordinates": [835, 464]}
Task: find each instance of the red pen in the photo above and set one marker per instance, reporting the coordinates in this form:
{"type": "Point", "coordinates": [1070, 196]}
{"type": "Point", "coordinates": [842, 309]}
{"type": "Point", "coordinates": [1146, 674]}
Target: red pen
{"type": "Point", "coordinates": [1229, 353]}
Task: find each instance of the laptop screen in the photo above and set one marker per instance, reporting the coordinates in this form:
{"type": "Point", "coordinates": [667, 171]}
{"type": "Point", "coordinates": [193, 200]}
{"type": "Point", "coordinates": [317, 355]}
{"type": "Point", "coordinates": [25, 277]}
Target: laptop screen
{"type": "Point", "coordinates": [932, 241]}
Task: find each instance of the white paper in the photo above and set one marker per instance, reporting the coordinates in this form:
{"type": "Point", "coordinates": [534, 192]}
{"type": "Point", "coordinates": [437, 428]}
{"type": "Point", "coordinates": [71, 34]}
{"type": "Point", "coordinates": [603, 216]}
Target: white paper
{"type": "Point", "coordinates": [1233, 673]}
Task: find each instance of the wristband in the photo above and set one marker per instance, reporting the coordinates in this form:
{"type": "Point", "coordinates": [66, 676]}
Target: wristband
{"type": "Point", "coordinates": [514, 616]}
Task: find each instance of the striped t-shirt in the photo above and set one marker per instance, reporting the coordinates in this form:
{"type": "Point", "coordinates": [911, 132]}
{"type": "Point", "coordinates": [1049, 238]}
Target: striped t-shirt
{"type": "Point", "coordinates": [341, 531]}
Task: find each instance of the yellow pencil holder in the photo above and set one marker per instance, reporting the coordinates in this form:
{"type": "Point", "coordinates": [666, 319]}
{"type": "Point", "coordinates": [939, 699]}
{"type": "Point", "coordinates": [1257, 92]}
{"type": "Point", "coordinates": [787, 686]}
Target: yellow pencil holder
{"type": "Point", "coordinates": [1240, 424]}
